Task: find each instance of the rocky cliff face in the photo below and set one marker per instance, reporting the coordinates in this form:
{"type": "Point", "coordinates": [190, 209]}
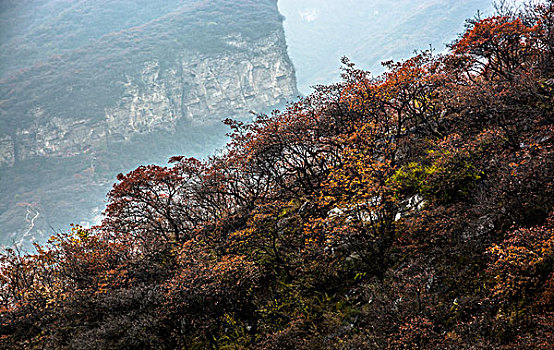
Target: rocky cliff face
{"type": "Point", "coordinates": [202, 88]}
{"type": "Point", "coordinates": [154, 87]}
{"type": "Point", "coordinates": [196, 88]}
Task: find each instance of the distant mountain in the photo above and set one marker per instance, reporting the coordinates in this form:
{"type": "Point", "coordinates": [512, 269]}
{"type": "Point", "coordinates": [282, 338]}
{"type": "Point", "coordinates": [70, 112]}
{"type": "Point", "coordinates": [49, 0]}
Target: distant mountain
{"type": "Point", "coordinates": [88, 89]}
{"type": "Point", "coordinates": [320, 32]}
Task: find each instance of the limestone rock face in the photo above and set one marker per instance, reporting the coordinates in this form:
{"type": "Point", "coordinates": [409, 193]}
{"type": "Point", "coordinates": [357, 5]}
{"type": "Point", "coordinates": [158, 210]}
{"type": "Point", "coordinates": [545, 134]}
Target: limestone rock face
{"type": "Point", "coordinates": [201, 88]}
{"type": "Point", "coordinates": [196, 88]}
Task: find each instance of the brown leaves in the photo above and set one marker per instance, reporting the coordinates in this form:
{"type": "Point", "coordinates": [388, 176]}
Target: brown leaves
{"type": "Point", "coordinates": [372, 213]}
{"type": "Point", "coordinates": [523, 263]}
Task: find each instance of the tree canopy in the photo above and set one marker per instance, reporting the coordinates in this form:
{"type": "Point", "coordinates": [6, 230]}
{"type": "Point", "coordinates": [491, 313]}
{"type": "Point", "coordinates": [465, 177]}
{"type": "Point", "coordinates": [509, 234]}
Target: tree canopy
{"type": "Point", "coordinates": [413, 210]}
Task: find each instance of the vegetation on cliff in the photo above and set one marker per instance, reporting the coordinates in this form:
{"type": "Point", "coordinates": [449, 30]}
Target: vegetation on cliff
{"type": "Point", "coordinates": [412, 210]}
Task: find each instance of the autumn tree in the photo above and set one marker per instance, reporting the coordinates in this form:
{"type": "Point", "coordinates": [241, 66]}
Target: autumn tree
{"type": "Point", "coordinates": [407, 210]}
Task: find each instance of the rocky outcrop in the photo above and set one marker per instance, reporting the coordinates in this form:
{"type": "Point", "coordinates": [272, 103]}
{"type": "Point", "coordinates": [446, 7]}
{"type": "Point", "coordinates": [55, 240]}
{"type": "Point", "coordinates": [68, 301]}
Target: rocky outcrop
{"type": "Point", "coordinates": [196, 88]}
{"type": "Point", "coordinates": [201, 88]}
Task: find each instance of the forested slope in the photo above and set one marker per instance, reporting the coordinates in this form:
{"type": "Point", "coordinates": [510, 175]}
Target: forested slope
{"type": "Point", "coordinates": [409, 211]}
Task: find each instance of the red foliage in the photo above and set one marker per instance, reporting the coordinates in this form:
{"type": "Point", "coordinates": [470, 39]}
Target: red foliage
{"type": "Point", "coordinates": [410, 210]}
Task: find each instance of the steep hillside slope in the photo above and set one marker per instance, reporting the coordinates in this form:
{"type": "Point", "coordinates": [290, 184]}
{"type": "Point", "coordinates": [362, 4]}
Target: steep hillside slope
{"type": "Point", "coordinates": [413, 210]}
